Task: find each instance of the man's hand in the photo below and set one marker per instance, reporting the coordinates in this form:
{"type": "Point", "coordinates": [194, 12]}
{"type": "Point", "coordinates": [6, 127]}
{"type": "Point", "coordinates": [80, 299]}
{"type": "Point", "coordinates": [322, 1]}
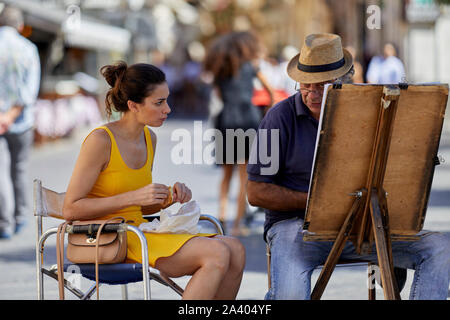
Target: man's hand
{"type": "Point", "coordinates": [8, 118]}
{"type": "Point", "coordinates": [5, 123]}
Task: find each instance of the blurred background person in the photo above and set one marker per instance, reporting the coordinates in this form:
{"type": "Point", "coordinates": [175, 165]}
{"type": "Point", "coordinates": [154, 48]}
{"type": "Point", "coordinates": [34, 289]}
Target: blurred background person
{"type": "Point", "coordinates": [358, 77]}
{"type": "Point", "coordinates": [274, 72]}
{"type": "Point", "coordinates": [19, 78]}
{"type": "Point", "coordinates": [233, 61]}
{"type": "Point", "coordinates": [388, 69]}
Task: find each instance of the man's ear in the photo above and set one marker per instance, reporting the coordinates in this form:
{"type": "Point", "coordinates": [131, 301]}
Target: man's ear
{"type": "Point", "coordinates": [132, 106]}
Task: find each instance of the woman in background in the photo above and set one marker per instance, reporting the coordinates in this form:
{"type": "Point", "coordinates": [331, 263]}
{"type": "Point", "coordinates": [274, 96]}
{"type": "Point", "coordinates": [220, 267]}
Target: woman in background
{"type": "Point", "coordinates": [233, 61]}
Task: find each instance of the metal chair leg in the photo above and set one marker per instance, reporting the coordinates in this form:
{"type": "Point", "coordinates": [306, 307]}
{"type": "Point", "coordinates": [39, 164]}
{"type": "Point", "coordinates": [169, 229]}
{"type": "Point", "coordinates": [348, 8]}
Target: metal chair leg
{"type": "Point", "coordinates": [89, 293]}
{"type": "Point", "coordinates": [39, 260]}
{"type": "Point", "coordinates": [124, 292]}
{"type": "Point", "coordinates": [145, 262]}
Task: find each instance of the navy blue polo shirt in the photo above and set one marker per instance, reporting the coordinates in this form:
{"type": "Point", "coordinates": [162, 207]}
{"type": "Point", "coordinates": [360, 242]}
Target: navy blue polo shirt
{"type": "Point", "coordinates": [292, 146]}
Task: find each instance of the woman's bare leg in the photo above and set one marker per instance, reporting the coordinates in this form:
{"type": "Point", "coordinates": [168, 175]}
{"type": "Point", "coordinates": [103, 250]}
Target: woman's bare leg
{"type": "Point", "coordinates": [242, 199]}
{"type": "Point", "coordinates": [229, 287]}
{"type": "Point", "coordinates": [206, 259]}
{"type": "Point", "coordinates": [227, 170]}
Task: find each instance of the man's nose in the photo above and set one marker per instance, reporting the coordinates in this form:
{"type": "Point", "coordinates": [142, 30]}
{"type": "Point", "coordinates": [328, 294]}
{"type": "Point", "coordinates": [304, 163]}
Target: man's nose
{"type": "Point", "coordinates": [316, 94]}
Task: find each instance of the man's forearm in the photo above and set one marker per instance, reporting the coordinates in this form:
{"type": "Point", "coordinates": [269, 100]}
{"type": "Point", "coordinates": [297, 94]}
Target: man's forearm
{"type": "Point", "coordinates": [274, 197]}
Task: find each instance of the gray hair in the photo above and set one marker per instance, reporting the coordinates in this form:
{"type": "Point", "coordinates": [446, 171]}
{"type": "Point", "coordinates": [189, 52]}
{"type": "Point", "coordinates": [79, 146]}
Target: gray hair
{"type": "Point", "coordinates": [346, 78]}
{"type": "Point", "coordinates": [11, 17]}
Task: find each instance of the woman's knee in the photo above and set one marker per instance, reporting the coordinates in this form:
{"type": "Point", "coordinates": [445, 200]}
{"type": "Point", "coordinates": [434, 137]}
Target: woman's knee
{"type": "Point", "coordinates": [237, 251]}
{"type": "Point", "coordinates": [217, 256]}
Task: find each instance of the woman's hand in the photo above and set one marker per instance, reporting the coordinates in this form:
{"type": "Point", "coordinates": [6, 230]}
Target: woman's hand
{"type": "Point", "coordinates": [151, 194]}
{"type": "Point", "coordinates": [181, 193]}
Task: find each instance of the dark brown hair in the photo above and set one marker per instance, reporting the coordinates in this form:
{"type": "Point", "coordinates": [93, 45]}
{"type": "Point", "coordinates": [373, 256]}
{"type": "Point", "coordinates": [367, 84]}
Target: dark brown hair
{"type": "Point", "coordinates": [227, 53]}
{"type": "Point", "coordinates": [135, 83]}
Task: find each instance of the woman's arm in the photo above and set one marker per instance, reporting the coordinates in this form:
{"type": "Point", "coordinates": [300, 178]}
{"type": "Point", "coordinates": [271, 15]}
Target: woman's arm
{"type": "Point", "coordinates": [93, 158]}
{"type": "Point", "coordinates": [151, 209]}
{"type": "Point", "coordinates": [274, 197]}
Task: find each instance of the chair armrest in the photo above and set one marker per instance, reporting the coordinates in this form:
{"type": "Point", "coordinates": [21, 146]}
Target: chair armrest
{"type": "Point", "coordinates": [93, 228]}
{"type": "Point", "coordinates": [215, 222]}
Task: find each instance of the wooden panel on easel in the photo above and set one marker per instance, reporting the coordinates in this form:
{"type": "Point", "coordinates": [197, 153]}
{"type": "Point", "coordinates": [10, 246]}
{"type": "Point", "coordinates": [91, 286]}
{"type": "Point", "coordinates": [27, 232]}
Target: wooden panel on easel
{"type": "Point", "coordinates": [414, 144]}
{"type": "Point", "coordinates": [345, 146]}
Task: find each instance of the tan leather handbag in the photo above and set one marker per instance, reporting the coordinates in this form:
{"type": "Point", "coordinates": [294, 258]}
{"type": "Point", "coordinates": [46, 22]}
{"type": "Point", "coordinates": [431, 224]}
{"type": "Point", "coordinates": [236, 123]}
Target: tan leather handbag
{"type": "Point", "coordinates": [87, 244]}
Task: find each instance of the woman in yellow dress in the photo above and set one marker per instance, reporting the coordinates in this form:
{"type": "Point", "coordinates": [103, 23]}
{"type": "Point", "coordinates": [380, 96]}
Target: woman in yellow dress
{"type": "Point", "coordinates": [113, 177]}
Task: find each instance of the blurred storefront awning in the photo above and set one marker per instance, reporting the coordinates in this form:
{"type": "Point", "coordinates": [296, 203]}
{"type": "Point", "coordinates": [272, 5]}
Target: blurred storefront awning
{"type": "Point", "coordinates": [98, 36]}
{"type": "Point", "coordinates": [77, 30]}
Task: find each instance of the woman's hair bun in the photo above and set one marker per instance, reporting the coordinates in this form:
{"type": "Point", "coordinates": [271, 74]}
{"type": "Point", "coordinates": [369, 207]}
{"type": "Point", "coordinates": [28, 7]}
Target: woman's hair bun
{"type": "Point", "coordinates": [129, 83]}
{"type": "Point", "coordinates": [113, 72]}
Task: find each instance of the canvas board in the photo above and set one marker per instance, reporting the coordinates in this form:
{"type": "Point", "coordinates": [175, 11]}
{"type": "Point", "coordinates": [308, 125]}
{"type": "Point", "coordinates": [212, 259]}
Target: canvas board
{"type": "Point", "coordinates": [344, 146]}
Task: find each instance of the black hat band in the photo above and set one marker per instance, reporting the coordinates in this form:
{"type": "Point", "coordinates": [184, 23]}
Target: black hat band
{"type": "Point", "coordinates": [321, 68]}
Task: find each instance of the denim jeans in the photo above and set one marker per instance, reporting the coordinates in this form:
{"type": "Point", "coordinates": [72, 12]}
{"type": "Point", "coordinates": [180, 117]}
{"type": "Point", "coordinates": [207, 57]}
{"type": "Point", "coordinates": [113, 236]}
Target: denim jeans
{"type": "Point", "coordinates": [293, 261]}
{"type": "Point", "coordinates": [14, 185]}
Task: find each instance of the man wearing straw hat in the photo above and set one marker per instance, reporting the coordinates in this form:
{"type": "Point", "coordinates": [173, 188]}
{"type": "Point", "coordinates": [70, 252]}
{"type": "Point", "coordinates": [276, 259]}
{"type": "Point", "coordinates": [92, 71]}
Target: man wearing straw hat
{"type": "Point", "coordinates": [290, 130]}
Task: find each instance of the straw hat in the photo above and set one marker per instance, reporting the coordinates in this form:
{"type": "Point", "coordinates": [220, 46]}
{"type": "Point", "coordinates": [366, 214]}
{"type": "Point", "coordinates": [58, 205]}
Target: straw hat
{"type": "Point", "coordinates": [322, 58]}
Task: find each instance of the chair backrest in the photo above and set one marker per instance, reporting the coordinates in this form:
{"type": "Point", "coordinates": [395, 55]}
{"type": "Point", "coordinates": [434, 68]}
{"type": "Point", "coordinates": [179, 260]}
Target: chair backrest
{"type": "Point", "coordinates": [47, 203]}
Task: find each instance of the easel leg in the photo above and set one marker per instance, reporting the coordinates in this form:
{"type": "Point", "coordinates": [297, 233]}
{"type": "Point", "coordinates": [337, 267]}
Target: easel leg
{"type": "Point", "coordinates": [371, 282]}
{"type": "Point", "coordinates": [336, 250]}
{"type": "Point", "coordinates": [384, 250]}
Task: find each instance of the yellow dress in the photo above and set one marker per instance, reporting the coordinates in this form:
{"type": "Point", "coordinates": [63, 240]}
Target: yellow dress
{"type": "Point", "coordinates": [119, 178]}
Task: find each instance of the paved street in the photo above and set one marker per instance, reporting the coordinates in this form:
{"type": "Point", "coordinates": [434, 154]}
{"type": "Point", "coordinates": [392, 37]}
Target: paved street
{"type": "Point", "coordinates": [53, 163]}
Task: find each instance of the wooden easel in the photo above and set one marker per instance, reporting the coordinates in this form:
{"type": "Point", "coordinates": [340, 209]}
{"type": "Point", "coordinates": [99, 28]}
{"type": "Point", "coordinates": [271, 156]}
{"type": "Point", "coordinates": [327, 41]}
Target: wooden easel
{"type": "Point", "coordinates": [371, 201]}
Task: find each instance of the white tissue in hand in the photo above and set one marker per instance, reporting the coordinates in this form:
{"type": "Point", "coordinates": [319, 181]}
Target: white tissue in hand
{"type": "Point", "coordinates": [183, 221]}
{"type": "Point", "coordinates": [151, 226]}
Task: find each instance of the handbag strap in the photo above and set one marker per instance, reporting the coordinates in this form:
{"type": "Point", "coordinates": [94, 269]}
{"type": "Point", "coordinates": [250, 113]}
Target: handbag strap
{"type": "Point", "coordinates": [97, 250]}
{"type": "Point", "coordinates": [60, 256]}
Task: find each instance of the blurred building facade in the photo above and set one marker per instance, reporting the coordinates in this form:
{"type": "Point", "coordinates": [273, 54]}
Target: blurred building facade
{"type": "Point", "coordinates": [418, 28]}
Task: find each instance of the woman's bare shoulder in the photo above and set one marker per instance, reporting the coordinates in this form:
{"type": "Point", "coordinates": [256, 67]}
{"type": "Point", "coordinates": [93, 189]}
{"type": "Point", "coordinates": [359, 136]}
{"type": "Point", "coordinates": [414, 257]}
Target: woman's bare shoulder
{"type": "Point", "coordinates": [98, 137]}
{"type": "Point", "coordinates": [97, 147]}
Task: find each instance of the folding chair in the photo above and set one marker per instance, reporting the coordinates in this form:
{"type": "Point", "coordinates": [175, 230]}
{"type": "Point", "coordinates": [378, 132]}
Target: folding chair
{"type": "Point", "coordinates": [400, 274]}
{"type": "Point", "coordinates": [48, 204]}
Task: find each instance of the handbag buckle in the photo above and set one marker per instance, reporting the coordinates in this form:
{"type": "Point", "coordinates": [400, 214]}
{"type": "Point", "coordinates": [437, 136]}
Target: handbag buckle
{"type": "Point", "coordinates": [91, 240]}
